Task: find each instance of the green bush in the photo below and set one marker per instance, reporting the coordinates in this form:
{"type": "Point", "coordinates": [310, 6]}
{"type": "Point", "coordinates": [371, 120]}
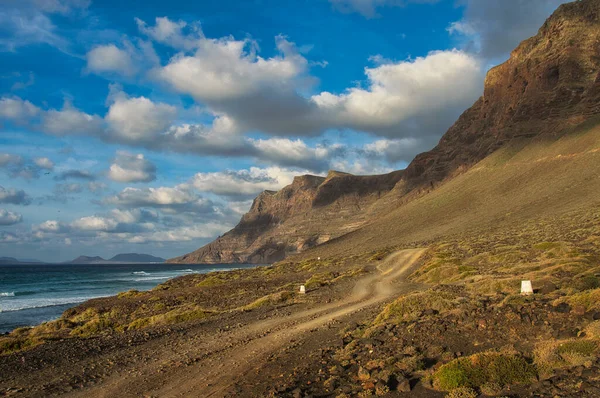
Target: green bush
{"type": "Point", "coordinates": [484, 369]}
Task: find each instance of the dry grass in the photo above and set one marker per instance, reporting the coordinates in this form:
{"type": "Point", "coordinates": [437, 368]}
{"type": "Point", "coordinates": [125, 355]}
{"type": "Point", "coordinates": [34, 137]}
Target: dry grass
{"type": "Point", "coordinates": [411, 307]}
{"type": "Point", "coordinates": [557, 354]}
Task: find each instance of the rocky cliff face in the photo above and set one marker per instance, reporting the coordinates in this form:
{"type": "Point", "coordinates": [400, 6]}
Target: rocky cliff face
{"type": "Point", "coordinates": [550, 82]}
{"type": "Point", "coordinates": [310, 211]}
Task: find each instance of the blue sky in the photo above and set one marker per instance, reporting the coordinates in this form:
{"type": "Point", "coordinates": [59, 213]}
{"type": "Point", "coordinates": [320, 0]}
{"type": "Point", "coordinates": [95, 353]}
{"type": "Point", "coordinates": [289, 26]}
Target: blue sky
{"type": "Point", "coordinates": [149, 126]}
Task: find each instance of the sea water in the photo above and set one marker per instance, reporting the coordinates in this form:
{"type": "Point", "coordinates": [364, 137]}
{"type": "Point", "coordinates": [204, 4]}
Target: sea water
{"type": "Point", "coordinates": [32, 294]}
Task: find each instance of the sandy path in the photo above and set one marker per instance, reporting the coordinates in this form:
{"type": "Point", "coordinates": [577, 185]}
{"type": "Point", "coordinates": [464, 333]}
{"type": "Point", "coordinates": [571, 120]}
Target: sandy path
{"type": "Point", "coordinates": [220, 361]}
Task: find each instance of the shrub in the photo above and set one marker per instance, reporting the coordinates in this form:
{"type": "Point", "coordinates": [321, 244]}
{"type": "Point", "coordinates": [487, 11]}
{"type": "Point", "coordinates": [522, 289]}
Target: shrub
{"type": "Point", "coordinates": [462, 392]}
{"type": "Point", "coordinates": [9, 345]}
{"type": "Point", "coordinates": [593, 330]}
{"type": "Point", "coordinates": [589, 299]}
{"type": "Point", "coordinates": [93, 327]}
{"type": "Point", "coordinates": [276, 298]}
{"type": "Point", "coordinates": [129, 294]}
{"type": "Point", "coordinates": [212, 280]}
{"type": "Point", "coordinates": [410, 307]}
{"type": "Point", "coordinates": [484, 368]}
{"type": "Point", "coordinates": [551, 355]}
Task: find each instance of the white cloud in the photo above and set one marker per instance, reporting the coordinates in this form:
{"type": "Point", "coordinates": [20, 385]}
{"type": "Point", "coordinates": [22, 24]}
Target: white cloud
{"type": "Point", "coordinates": [244, 182]}
{"type": "Point", "coordinates": [127, 167]}
{"type": "Point", "coordinates": [9, 218]}
{"type": "Point", "coordinates": [403, 97]}
{"type": "Point", "coordinates": [139, 119]}
{"type": "Point", "coordinates": [228, 69]}
{"type": "Point", "coordinates": [71, 121]}
{"type": "Point", "coordinates": [173, 199]}
{"type": "Point", "coordinates": [178, 34]}
{"type": "Point", "coordinates": [182, 234]}
{"type": "Point", "coordinates": [43, 163]}
{"type": "Point", "coordinates": [111, 59]}
{"type": "Point", "coordinates": [18, 110]}
{"type": "Point", "coordinates": [51, 226]}
{"type": "Point", "coordinates": [93, 223]}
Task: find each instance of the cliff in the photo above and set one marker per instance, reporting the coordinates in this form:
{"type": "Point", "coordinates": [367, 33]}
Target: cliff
{"type": "Point", "coordinates": [310, 211]}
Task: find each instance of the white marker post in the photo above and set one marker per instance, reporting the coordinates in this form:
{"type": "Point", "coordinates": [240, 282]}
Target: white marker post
{"type": "Point", "coordinates": [318, 258]}
{"type": "Point", "coordinates": [302, 289]}
{"type": "Point", "coordinates": [526, 288]}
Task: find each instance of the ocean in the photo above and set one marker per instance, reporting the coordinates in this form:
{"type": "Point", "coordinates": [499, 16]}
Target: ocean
{"type": "Point", "coordinates": [32, 294]}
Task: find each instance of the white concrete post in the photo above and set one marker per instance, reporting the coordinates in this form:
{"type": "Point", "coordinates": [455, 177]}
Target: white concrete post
{"type": "Point", "coordinates": [526, 288]}
{"type": "Point", "coordinates": [302, 289]}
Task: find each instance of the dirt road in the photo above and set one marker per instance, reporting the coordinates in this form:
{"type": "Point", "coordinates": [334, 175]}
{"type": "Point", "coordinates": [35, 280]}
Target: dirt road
{"type": "Point", "coordinates": [215, 364]}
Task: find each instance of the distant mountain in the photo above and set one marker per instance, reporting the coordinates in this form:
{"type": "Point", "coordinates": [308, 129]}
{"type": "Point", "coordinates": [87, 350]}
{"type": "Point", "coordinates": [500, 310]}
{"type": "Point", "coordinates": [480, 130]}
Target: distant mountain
{"type": "Point", "coordinates": [88, 260]}
{"type": "Point", "coordinates": [118, 259]}
{"type": "Point", "coordinates": [136, 258]}
{"type": "Point", "coordinates": [9, 260]}
{"type": "Point", "coordinates": [12, 260]}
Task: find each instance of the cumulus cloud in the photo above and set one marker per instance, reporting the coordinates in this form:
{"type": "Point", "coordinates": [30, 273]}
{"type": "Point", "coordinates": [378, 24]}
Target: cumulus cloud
{"type": "Point", "coordinates": [240, 183]}
{"type": "Point", "coordinates": [51, 226]}
{"type": "Point", "coordinates": [128, 167]}
{"type": "Point", "coordinates": [177, 34]}
{"type": "Point", "coordinates": [495, 27]}
{"type": "Point", "coordinates": [9, 218]}
{"type": "Point", "coordinates": [70, 121]}
{"type": "Point", "coordinates": [110, 59]}
{"type": "Point", "coordinates": [43, 163]}
{"type": "Point", "coordinates": [139, 119]}
{"type": "Point", "coordinates": [14, 196]}
{"type": "Point", "coordinates": [403, 97]}
{"type": "Point", "coordinates": [17, 110]}
{"type": "Point", "coordinates": [174, 199]}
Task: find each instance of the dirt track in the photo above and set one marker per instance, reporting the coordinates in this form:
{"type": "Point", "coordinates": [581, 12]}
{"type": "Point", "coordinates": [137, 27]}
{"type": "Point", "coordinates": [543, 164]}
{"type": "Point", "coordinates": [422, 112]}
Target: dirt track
{"type": "Point", "coordinates": [215, 364]}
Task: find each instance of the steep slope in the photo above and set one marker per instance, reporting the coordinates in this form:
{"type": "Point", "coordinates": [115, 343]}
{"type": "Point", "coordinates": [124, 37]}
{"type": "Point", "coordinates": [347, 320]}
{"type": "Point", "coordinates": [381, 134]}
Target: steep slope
{"type": "Point", "coordinates": [310, 211]}
{"type": "Point", "coordinates": [519, 185]}
{"type": "Point", "coordinates": [550, 85]}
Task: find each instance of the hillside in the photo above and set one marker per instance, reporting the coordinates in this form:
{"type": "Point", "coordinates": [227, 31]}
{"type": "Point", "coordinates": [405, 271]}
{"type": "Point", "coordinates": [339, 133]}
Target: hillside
{"type": "Point", "coordinates": [550, 85]}
{"type": "Point", "coordinates": [310, 211]}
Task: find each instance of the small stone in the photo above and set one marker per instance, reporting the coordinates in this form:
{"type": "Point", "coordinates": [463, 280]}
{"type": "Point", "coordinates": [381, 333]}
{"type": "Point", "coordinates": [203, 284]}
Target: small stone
{"type": "Point", "coordinates": [363, 374]}
{"type": "Point", "coordinates": [403, 384]}
{"type": "Point", "coordinates": [563, 308]}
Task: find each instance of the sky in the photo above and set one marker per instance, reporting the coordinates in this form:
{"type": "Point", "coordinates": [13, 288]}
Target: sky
{"type": "Point", "coordinates": [149, 126]}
